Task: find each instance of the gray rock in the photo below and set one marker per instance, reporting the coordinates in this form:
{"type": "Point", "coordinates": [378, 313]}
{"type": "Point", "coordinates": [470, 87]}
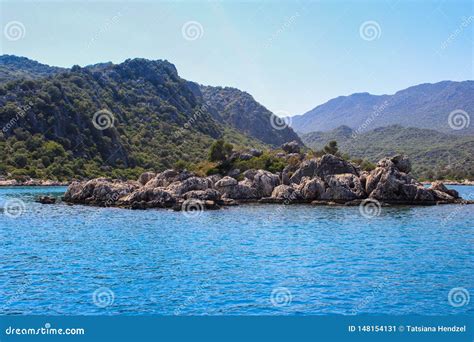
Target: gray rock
{"type": "Point", "coordinates": [234, 173]}
{"type": "Point", "coordinates": [149, 198]}
{"type": "Point", "coordinates": [100, 191]}
{"type": "Point", "coordinates": [189, 184]}
{"type": "Point", "coordinates": [332, 165]}
{"type": "Point", "coordinates": [311, 188]}
{"type": "Point", "coordinates": [213, 179]}
{"type": "Point", "coordinates": [46, 200]}
{"type": "Point", "coordinates": [291, 147]}
{"type": "Point", "coordinates": [439, 186]}
{"type": "Point", "coordinates": [256, 153]}
{"type": "Point", "coordinates": [402, 163]}
{"type": "Point", "coordinates": [225, 182]}
{"type": "Point", "coordinates": [306, 169]}
{"type": "Point", "coordinates": [249, 174]}
{"type": "Point", "coordinates": [168, 177]}
{"type": "Point", "coordinates": [203, 195]}
{"type": "Point", "coordinates": [286, 192]}
{"type": "Point", "coordinates": [240, 192]}
{"type": "Point", "coordinates": [388, 183]}
{"type": "Point", "coordinates": [230, 188]}
{"type": "Point", "coordinates": [325, 166]}
{"type": "Point", "coordinates": [146, 177]}
{"type": "Point", "coordinates": [245, 156]}
{"type": "Point", "coordinates": [264, 182]}
{"type": "Point", "coordinates": [343, 187]}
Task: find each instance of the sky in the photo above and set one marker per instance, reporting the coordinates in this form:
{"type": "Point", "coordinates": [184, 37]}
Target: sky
{"type": "Point", "coordinates": [290, 55]}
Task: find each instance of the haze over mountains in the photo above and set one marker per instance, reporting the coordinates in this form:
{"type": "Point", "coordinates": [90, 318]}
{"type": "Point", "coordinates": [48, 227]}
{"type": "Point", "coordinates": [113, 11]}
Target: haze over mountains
{"type": "Point", "coordinates": [414, 121]}
{"type": "Point", "coordinates": [433, 154]}
{"type": "Point", "coordinates": [422, 106]}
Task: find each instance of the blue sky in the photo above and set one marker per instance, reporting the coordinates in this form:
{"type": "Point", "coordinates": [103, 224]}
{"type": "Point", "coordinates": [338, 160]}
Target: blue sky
{"type": "Point", "coordinates": [290, 55]}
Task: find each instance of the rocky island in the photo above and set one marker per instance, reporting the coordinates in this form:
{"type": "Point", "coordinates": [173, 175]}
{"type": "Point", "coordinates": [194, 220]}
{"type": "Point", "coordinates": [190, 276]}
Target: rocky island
{"type": "Point", "coordinates": [328, 179]}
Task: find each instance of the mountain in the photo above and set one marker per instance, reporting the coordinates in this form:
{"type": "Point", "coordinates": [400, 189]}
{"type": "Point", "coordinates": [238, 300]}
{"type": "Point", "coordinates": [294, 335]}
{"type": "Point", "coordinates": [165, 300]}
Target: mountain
{"type": "Point", "coordinates": [14, 67]}
{"type": "Point", "coordinates": [422, 106]}
{"type": "Point", "coordinates": [118, 120]}
{"type": "Point", "coordinates": [433, 154]}
{"type": "Point", "coordinates": [241, 111]}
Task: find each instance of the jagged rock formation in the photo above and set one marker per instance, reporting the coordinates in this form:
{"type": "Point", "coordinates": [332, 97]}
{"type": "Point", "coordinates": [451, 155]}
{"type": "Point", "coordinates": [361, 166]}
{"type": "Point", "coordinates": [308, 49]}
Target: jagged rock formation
{"type": "Point", "coordinates": [328, 179]}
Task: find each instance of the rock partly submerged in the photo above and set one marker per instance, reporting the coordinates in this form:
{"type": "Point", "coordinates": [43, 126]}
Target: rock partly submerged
{"type": "Point", "coordinates": [327, 180]}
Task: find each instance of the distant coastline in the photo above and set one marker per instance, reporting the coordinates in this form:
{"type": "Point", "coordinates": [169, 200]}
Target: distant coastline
{"type": "Point", "coordinates": [32, 182]}
{"type": "Point", "coordinates": [49, 182]}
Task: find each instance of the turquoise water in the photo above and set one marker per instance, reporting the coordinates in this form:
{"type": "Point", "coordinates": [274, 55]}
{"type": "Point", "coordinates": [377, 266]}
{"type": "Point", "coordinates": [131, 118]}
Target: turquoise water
{"type": "Point", "coordinates": [246, 260]}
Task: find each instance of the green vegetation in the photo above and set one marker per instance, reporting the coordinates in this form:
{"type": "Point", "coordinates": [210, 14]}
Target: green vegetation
{"type": "Point", "coordinates": [434, 155]}
{"type": "Point", "coordinates": [267, 161]}
{"type": "Point", "coordinates": [159, 119]}
{"type": "Point", "coordinates": [220, 151]}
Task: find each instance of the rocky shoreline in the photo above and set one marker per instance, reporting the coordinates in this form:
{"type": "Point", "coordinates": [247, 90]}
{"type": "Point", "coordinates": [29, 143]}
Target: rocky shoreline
{"type": "Point", "coordinates": [328, 180]}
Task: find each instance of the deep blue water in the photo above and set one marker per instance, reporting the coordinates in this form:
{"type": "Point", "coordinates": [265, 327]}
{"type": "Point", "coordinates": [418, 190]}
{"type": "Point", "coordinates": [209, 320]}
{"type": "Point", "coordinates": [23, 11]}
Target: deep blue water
{"type": "Point", "coordinates": [315, 260]}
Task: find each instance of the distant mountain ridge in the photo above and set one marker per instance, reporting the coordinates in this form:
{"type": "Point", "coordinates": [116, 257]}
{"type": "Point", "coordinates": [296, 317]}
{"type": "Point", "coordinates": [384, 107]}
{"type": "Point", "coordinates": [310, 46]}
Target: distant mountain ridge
{"type": "Point", "coordinates": [14, 67]}
{"type": "Point", "coordinates": [423, 106]}
{"type": "Point", "coordinates": [433, 154]}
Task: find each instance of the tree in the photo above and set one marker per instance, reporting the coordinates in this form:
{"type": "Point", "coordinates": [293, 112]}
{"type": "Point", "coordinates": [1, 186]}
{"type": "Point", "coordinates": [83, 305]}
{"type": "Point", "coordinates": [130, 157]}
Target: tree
{"type": "Point", "coordinates": [331, 148]}
{"type": "Point", "coordinates": [20, 160]}
{"type": "Point", "coordinates": [220, 150]}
